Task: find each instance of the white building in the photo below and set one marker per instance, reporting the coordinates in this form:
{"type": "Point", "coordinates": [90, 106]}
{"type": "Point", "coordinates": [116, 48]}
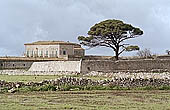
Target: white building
{"type": "Point", "coordinates": [53, 49]}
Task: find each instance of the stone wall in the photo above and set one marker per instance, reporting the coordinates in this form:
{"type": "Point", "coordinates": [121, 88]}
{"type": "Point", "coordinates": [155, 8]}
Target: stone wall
{"type": "Point", "coordinates": [59, 83]}
{"type": "Point", "coordinates": [148, 65]}
{"type": "Point", "coordinates": [84, 66]}
{"type": "Point", "coordinates": [15, 64]}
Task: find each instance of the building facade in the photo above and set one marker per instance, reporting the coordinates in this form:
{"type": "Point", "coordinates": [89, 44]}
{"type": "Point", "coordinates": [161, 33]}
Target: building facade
{"type": "Point", "coordinates": [53, 49]}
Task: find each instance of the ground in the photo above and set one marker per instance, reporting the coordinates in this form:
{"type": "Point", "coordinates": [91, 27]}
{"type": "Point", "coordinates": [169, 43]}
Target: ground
{"type": "Point", "coordinates": [87, 100]}
{"type": "Point", "coordinates": [82, 100]}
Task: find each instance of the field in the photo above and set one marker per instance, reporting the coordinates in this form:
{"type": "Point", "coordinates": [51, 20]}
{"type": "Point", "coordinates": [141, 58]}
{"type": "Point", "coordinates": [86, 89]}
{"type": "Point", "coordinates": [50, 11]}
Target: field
{"type": "Point", "coordinates": [38, 78]}
{"type": "Point", "coordinates": [82, 100]}
{"type": "Point", "coordinates": [87, 100]}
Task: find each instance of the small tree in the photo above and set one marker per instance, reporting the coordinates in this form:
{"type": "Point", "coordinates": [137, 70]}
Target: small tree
{"type": "Point", "coordinates": [112, 34]}
{"type": "Point", "coordinates": [168, 52]}
{"type": "Point", "coordinates": [144, 53]}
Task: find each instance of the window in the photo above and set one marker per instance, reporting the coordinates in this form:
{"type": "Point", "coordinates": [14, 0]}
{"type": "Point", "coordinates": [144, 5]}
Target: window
{"type": "Point", "coordinates": [23, 64]}
{"type": "Point", "coordinates": [32, 52]}
{"type": "Point", "coordinates": [2, 65]}
{"type": "Point", "coordinates": [47, 53]}
{"type": "Point", "coordinates": [41, 54]}
{"type": "Point", "coordinates": [13, 65]}
{"type": "Point", "coordinates": [64, 52]}
{"type": "Point", "coordinates": [28, 53]}
{"type": "Point", "coordinates": [56, 53]}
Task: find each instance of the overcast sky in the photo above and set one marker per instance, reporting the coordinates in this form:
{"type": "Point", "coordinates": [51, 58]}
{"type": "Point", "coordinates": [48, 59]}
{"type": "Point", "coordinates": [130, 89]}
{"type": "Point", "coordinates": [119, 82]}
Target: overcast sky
{"type": "Point", "coordinates": [24, 21]}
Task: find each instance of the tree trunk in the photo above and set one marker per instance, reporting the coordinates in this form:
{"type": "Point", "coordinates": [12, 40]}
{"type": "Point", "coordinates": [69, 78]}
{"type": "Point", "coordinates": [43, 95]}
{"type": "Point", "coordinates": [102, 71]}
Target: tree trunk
{"type": "Point", "coordinates": [117, 54]}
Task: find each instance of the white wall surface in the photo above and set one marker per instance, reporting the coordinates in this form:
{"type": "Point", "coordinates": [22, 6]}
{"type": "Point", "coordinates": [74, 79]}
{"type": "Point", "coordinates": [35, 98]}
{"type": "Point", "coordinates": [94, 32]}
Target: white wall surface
{"type": "Point", "coordinates": [70, 66]}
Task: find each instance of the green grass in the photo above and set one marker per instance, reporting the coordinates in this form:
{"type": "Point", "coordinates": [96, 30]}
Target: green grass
{"type": "Point", "coordinates": [38, 78]}
{"type": "Point", "coordinates": [87, 100]}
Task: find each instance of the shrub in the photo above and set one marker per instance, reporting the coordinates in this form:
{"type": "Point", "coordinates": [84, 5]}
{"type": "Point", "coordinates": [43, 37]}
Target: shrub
{"type": "Point", "coordinates": [47, 88]}
{"type": "Point", "coordinates": [164, 88]}
{"type": "Point", "coordinates": [3, 90]}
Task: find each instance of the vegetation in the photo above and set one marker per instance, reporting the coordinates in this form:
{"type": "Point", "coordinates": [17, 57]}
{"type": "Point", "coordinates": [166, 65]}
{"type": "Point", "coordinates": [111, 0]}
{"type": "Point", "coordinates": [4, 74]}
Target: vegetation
{"type": "Point", "coordinates": [146, 53]}
{"type": "Point", "coordinates": [89, 87]}
{"type": "Point", "coordinates": [87, 100]}
{"type": "Point", "coordinates": [38, 78]}
{"type": "Point", "coordinates": [111, 34]}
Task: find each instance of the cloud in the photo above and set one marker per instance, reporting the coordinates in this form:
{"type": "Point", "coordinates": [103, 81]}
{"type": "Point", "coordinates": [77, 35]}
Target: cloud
{"type": "Point", "coordinates": [24, 21]}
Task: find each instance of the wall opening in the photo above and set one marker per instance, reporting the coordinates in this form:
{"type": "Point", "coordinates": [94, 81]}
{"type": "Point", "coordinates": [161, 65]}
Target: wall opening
{"type": "Point", "coordinates": [64, 52]}
{"type": "Point", "coordinates": [88, 68]}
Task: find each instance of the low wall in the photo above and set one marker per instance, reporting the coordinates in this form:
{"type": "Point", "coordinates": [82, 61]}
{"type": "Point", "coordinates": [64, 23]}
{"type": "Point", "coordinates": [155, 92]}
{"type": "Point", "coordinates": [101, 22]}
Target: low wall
{"type": "Point", "coordinates": [86, 83]}
{"type": "Point", "coordinates": [69, 66]}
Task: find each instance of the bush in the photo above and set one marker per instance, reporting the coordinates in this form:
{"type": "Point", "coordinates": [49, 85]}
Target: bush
{"type": "Point", "coordinates": [3, 90]}
{"type": "Point", "coordinates": [47, 88]}
{"type": "Point", "coordinates": [78, 88]}
{"type": "Point", "coordinates": [164, 88]}
{"type": "Point", "coordinates": [70, 87]}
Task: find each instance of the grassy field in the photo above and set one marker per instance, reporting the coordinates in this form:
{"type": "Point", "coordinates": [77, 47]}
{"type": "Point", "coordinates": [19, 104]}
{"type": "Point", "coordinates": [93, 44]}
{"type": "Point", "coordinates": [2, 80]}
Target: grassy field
{"type": "Point", "coordinates": [87, 100]}
{"type": "Point", "coordinates": [28, 78]}
{"type": "Point", "coordinates": [82, 100]}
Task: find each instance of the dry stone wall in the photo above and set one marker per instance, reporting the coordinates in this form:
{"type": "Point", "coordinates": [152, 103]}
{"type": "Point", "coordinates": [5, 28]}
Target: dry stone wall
{"type": "Point", "coordinates": [72, 81]}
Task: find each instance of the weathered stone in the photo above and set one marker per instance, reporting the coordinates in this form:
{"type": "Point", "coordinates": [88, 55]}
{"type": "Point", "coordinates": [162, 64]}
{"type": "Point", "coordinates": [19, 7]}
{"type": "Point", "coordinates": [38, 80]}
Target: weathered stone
{"type": "Point", "coordinates": [13, 90]}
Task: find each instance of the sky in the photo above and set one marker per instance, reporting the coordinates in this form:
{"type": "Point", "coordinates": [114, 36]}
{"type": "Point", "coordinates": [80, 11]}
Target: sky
{"type": "Point", "coordinates": [25, 21]}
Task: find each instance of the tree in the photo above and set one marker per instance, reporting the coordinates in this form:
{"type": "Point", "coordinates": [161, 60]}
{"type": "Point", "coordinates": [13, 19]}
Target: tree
{"type": "Point", "coordinates": [146, 53]}
{"type": "Point", "coordinates": [112, 34]}
{"type": "Point", "coordinates": [168, 52]}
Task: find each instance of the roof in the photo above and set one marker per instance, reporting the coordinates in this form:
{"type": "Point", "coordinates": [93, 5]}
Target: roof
{"type": "Point", "coordinates": [51, 43]}
{"type": "Point", "coordinates": [7, 58]}
{"type": "Point", "coordinates": [78, 49]}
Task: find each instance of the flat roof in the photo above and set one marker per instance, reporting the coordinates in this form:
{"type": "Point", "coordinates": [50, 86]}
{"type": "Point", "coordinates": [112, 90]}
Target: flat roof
{"type": "Point", "coordinates": [51, 43]}
{"type": "Point", "coordinates": [29, 59]}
